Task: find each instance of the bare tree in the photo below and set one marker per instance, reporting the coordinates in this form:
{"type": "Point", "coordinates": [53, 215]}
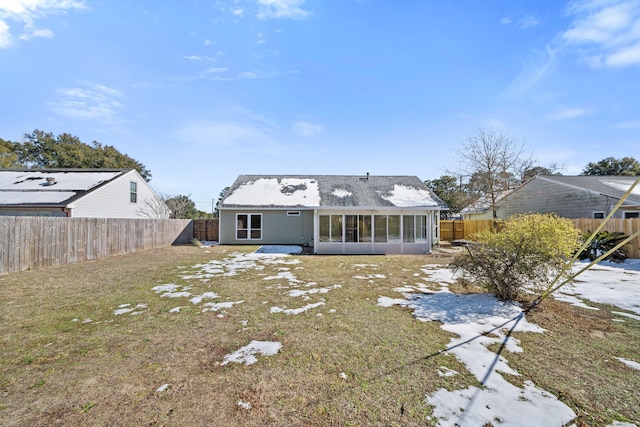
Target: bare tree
{"type": "Point", "coordinates": [154, 208]}
{"type": "Point", "coordinates": [493, 160]}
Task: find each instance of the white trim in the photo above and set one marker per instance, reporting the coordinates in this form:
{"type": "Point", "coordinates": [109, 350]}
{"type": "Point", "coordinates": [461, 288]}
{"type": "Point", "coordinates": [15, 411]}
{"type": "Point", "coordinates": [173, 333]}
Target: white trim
{"type": "Point", "coordinates": [249, 229]}
{"type": "Point", "coordinates": [593, 214]}
{"type": "Point", "coordinates": [624, 214]}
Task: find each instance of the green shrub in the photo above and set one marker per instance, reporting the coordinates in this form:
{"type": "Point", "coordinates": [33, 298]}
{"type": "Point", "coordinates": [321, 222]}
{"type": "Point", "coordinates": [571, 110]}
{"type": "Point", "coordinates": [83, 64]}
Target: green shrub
{"type": "Point", "coordinates": [602, 243]}
{"type": "Point", "coordinates": [528, 252]}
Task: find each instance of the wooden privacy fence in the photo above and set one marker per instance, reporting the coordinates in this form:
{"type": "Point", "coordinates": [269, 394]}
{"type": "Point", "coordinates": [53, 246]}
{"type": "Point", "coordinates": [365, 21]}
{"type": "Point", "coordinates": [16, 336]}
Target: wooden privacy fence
{"type": "Point", "coordinates": [625, 226]}
{"type": "Point", "coordinates": [206, 229]}
{"type": "Point", "coordinates": [456, 230]}
{"type": "Point", "coordinates": [34, 242]}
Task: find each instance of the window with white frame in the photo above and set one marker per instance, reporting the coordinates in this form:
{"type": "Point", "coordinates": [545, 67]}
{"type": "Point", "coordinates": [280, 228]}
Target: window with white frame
{"type": "Point", "coordinates": [387, 228]}
{"type": "Point", "coordinates": [414, 228]}
{"type": "Point", "coordinates": [133, 192]}
{"type": "Point", "coordinates": [631, 214]}
{"type": "Point", "coordinates": [249, 226]}
{"type": "Point", "coordinates": [598, 215]}
{"type": "Point", "coordinates": [330, 228]}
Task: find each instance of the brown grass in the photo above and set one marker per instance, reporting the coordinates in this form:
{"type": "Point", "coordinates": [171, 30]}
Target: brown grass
{"type": "Point", "coordinates": [54, 371]}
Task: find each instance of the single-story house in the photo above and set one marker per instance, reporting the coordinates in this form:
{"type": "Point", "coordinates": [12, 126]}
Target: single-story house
{"type": "Point", "coordinates": [481, 208]}
{"type": "Point", "coordinates": [332, 214]}
{"type": "Point", "coordinates": [89, 193]}
{"type": "Point", "coordinates": [573, 197]}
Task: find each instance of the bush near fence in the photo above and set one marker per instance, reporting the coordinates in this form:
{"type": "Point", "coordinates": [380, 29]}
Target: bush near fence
{"type": "Point", "coordinates": [34, 242]}
{"type": "Point", "coordinates": [457, 230]}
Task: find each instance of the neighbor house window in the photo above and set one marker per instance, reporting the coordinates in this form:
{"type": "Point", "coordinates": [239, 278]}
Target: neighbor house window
{"type": "Point", "coordinates": [293, 213]}
{"type": "Point", "coordinates": [133, 192]}
{"type": "Point", "coordinates": [598, 215]}
{"type": "Point", "coordinates": [629, 215]}
{"type": "Point", "coordinates": [249, 226]}
{"type": "Point", "coordinates": [331, 228]}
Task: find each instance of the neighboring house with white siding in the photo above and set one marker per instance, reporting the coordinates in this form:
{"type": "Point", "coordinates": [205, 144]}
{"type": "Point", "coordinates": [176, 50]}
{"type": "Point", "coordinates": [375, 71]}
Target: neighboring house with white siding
{"type": "Point", "coordinates": [573, 197]}
{"type": "Point", "coordinates": [332, 214]}
{"type": "Point", "coordinates": [88, 193]}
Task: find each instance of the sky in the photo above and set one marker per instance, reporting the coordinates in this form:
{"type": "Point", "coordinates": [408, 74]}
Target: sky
{"type": "Point", "coordinates": [344, 87]}
{"type": "Point", "coordinates": [475, 321]}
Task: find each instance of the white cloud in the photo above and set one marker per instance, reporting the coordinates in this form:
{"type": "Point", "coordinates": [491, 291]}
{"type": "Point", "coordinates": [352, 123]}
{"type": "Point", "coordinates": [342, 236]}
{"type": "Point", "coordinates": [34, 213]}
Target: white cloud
{"type": "Point", "coordinates": [606, 31]}
{"type": "Point", "coordinates": [93, 102]}
{"type": "Point", "coordinates": [28, 12]}
{"type": "Point", "coordinates": [306, 129]}
{"type": "Point", "coordinates": [42, 32]}
{"type": "Point", "coordinates": [566, 113]}
{"type": "Point", "coordinates": [282, 9]}
{"type": "Point", "coordinates": [505, 21]}
{"type": "Point", "coordinates": [5, 35]}
{"type": "Point", "coordinates": [533, 72]}
{"type": "Point", "coordinates": [528, 21]}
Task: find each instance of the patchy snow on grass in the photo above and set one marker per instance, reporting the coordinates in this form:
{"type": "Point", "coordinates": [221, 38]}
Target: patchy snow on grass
{"type": "Point", "coordinates": [163, 387]}
{"type": "Point", "coordinates": [207, 295]}
{"type": "Point", "coordinates": [304, 293]}
{"type": "Point", "coordinates": [480, 320]}
{"type": "Point", "coordinates": [607, 283]}
{"type": "Point", "coordinates": [215, 306]}
{"type": "Point", "coordinates": [295, 310]}
{"type": "Point", "coordinates": [629, 363]}
{"type": "Point", "coordinates": [247, 353]}
{"type": "Point", "coordinates": [126, 308]}
{"type": "Point", "coordinates": [244, 405]}
{"type": "Point", "coordinates": [279, 249]}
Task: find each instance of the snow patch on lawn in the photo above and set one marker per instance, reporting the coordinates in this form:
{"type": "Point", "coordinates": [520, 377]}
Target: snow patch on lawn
{"type": "Point", "coordinates": [247, 354]}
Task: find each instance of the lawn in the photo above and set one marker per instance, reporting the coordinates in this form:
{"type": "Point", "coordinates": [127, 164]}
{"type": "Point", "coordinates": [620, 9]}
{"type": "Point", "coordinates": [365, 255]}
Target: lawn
{"type": "Point", "coordinates": [217, 336]}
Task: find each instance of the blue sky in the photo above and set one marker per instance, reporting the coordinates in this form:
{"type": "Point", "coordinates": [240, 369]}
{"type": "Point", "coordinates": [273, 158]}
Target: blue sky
{"type": "Point", "coordinates": [202, 91]}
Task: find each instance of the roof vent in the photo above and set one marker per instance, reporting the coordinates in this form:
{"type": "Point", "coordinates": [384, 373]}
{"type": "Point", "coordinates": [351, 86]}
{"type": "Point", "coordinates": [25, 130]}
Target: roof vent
{"type": "Point", "coordinates": [366, 178]}
{"type": "Point", "coordinates": [50, 180]}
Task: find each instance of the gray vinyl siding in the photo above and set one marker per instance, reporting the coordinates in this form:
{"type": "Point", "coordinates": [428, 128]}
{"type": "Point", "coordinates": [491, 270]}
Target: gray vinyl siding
{"type": "Point", "coordinates": [277, 227]}
{"type": "Point", "coordinates": [548, 197]}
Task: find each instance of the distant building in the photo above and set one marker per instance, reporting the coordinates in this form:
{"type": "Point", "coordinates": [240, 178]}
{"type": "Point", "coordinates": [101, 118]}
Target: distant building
{"type": "Point", "coordinates": [89, 193]}
{"type": "Point", "coordinates": [572, 197]}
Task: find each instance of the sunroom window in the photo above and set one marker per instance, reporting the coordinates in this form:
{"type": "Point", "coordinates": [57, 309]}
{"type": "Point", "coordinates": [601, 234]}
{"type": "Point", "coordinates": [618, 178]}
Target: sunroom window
{"type": "Point", "coordinates": [331, 228]}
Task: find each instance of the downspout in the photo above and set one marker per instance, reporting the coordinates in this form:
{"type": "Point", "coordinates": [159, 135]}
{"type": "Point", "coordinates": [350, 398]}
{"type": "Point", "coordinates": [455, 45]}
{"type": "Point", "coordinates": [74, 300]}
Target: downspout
{"type": "Point", "coordinates": [67, 212]}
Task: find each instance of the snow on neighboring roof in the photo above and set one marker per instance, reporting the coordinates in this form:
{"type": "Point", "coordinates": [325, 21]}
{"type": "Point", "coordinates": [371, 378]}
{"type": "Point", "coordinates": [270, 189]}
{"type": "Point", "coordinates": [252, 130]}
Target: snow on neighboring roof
{"type": "Point", "coordinates": [43, 197]}
{"type": "Point", "coordinates": [404, 197]}
{"type": "Point", "coordinates": [53, 186]}
{"type": "Point", "coordinates": [484, 203]}
{"type": "Point", "coordinates": [70, 181]}
{"type": "Point", "coordinates": [276, 192]}
{"type": "Point", "coordinates": [621, 186]}
{"type": "Point", "coordinates": [331, 191]}
{"type": "Point", "coordinates": [613, 186]}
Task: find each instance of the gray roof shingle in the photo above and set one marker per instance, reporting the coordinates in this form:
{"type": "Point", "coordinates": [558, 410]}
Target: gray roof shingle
{"type": "Point", "coordinates": [330, 191]}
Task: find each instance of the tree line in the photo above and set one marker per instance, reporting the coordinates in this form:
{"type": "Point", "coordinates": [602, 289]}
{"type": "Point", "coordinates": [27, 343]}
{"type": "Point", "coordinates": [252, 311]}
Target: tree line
{"type": "Point", "coordinates": [493, 162]}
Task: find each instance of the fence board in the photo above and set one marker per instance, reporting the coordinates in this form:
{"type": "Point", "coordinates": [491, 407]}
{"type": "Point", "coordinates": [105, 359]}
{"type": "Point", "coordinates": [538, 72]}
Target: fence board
{"type": "Point", "coordinates": [626, 226]}
{"type": "Point", "coordinates": [206, 229]}
{"type": "Point", "coordinates": [37, 242]}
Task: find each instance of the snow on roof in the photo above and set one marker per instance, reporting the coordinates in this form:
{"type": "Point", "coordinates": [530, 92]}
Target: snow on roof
{"type": "Point", "coordinates": [276, 192]}
{"type": "Point", "coordinates": [613, 186]}
{"type": "Point", "coordinates": [55, 186]}
{"type": "Point", "coordinates": [341, 193]}
{"type": "Point", "coordinates": [621, 186]}
{"type": "Point", "coordinates": [404, 197]}
{"type": "Point", "coordinates": [331, 191]}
